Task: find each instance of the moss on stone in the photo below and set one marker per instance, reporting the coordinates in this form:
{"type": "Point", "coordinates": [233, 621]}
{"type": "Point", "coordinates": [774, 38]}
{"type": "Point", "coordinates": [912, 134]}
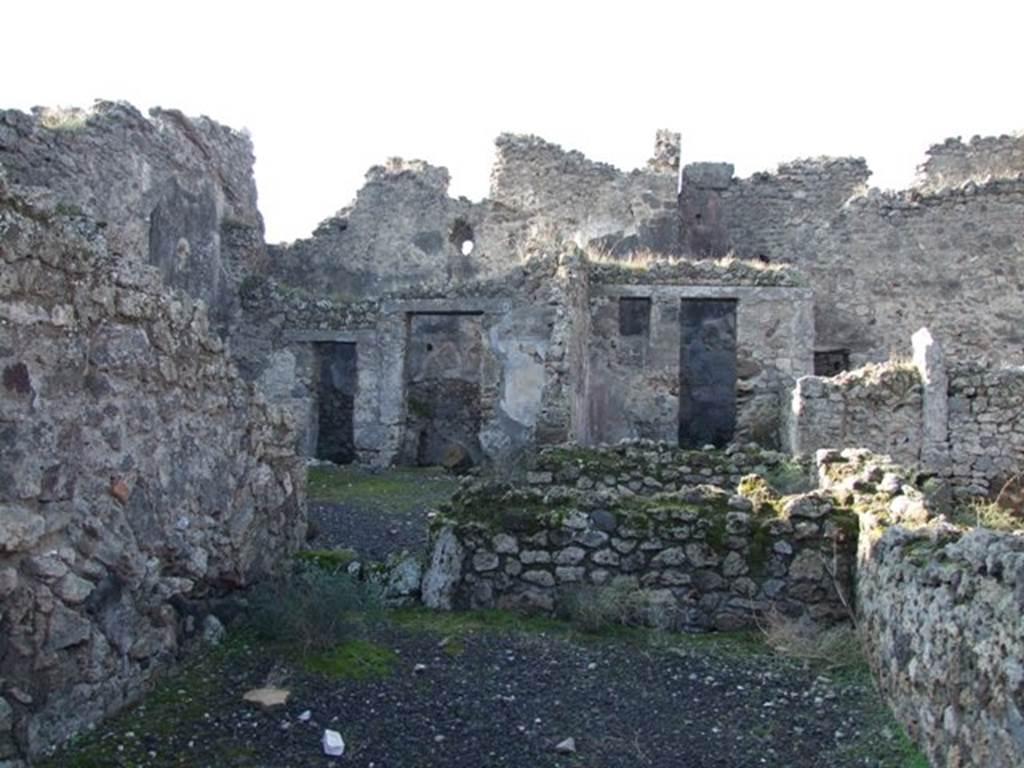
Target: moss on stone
{"type": "Point", "coordinates": [328, 559]}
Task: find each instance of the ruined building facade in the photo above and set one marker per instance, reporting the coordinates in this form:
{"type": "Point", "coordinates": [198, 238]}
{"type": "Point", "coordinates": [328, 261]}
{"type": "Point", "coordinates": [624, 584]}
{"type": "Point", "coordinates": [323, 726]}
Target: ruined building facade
{"type": "Point", "coordinates": [164, 369]}
{"type": "Point", "coordinates": [576, 302]}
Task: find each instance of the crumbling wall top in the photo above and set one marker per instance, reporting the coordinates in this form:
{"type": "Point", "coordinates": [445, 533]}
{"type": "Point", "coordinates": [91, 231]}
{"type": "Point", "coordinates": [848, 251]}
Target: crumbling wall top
{"type": "Point", "coordinates": [954, 163]}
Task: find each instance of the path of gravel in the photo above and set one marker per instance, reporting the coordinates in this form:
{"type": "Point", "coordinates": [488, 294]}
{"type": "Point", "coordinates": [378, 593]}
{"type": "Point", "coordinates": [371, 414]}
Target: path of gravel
{"type": "Point", "coordinates": [506, 699]}
{"type": "Point", "coordinates": [376, 514]}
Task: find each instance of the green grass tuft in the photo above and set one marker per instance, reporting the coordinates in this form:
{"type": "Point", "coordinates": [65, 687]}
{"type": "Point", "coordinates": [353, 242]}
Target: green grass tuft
{"type": "Point", "coordinates": [353, 660]}
{"type": "Point", "coordinates": [399, 490]}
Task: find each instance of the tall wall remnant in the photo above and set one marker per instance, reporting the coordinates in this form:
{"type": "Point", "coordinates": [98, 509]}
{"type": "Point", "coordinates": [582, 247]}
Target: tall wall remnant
{"type": "Point", "coordinates": [140, 477]}
{"type": "Point", "coordinates": [168, 190]}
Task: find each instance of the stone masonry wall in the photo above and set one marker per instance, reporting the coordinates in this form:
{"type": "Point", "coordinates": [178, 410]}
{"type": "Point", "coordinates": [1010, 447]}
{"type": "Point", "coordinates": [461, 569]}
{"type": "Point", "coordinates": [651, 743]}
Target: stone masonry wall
{"type": "Point", "coordinates": [139, 476]}
{"type": "Point", "coordinates": [878, 407]}
{"type": "Point", "coordinates": [169, 190]}
{"type": "Point", "coordinates": [953, 163]}
{"type": "Point", "coordinates": [882, 265]}
{"type": "Point", "coordinates": [986, 428]}
{"type": "Point", "coordinates": [637, 391]}
{"type": "Point", "coordinates": [966, 425]}
{"type": "Point", "coordinates": [697, 558]}
{"type": "Point", "coordinates": [940, 616]}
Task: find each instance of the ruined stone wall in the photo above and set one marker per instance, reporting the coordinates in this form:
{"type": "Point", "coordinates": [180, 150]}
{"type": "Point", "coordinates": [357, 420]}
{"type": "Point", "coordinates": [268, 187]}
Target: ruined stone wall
{"type": "Point", "coordinates": [697, 558]}
{"type": "Point", "coordinates": [880, 265]}
{"type": "Point", "coordinates": [878, 407]}
{"type": "Point", "coordinates": [403, 234]}
{"type": "Point", "coordinates": [986, 428]}
{"type": "Point", "coordinates": [590, 203]}
{"type": "Point", "coordinates": [169, 190]}
{"type": "Point", "coordinates": [966, 426]}
{"type": "Point", "coordinates": [953, 163]}
{"type": "Point", "coordinates": [940, 612]}
{"type": "Point", "coordinates": [524, 376]}
{"type": "Point", "coordinates": [139, 476]}
{"type": "Point", "coordinates": [636, 393]}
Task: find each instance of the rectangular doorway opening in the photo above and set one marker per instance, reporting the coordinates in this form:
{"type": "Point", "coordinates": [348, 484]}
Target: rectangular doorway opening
{"type": "Point", "coordinates": [336, 369]}
{"type": "Point", "coordinates": [707, 372]}
{"type": "Point", "coordinates": [443, 362]}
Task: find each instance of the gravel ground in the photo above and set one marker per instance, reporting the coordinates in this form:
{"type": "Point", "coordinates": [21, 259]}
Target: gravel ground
{"type": "Point", "coordinates": [479, 690]}
{"type": "Point", "coordinates": [374, 513]}
{"type": "Point", "coordinates": [492, 697]}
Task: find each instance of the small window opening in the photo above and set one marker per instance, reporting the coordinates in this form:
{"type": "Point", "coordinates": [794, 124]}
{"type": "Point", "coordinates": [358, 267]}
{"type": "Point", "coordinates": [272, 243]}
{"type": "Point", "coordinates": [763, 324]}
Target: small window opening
{"type": "Point", "coordinates": [634, 316]}
{"type": "Point", "coordinates": [830, 362]}
{"type": "Point", "coordinates": [462, 236]}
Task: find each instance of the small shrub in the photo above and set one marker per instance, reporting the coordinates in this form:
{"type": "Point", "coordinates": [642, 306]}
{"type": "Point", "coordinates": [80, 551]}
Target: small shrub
{"type": "Point", "coordinates": [596, 608]}
{"type": "Point", "coordinates": [835, 646]}
{"type": "Point", "coordinates": [790, 477]}
{"type": "Point", "coordinates": [64, 119]}
{"type": "Point", "coordinates": [313, 610]}
{"type": "Point", "coordinates": [988, 514]}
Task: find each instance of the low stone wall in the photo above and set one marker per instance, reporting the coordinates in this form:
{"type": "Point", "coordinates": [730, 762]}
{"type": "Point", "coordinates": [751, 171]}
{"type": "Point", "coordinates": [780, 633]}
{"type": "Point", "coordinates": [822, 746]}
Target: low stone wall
{"type": "Point", "coordinates": [940, 616]}
{"type": "Point", "coordinates": [878, 407]}
{"type": "Point", "coordinates": [696, 559]}
{"type": "Point", "coordinates": [641, 466]}
{"type": "Point", "coordinates": [965, 425]}
{"type": "Point", "coordinates": [139, 476]}
{"type": "Point", "coordinates": [986, 428]}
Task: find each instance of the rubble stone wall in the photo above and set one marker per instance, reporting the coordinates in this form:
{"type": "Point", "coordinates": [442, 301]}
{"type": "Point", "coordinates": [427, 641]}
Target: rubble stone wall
{"type": "Point", "coordinates": [168, 190]}
{"type": "Point", "coordinates": [940, 614]}
{"type": "Point", "coordinates": [139, 476]}
{"type": "Point", "coordinates": [637, 392]}
{"type": "Point", "coordinates": [946, 255]}
{"type": "Point", "coordinates": [986, 428]}
{"type": "Point", "coordinates": [666, 551]}
{"type": "Point", "coordinates": [878, 407]}
{"type": "Point", "coordinates": [954, 163]}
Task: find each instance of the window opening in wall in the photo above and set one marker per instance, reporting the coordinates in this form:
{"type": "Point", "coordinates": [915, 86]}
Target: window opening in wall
{"type": "Point", "coordinates": [461, 236]}
{"type": "Point", "coordinates": [829, 362]}
{"type": "Point", "coordinates": [634, 316]}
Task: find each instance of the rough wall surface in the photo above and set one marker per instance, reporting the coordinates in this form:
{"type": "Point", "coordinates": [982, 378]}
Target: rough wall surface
{"type": "Point", "coordinates": [675, 554]}
{"type": "Point", "coordinates": [880, 265]}
{"type": "Point", "coordinates": [975, 420]}
{"type": "Point", "coordinates": [138, 474]}
{"type": "Point", "coordinates": [953, 163]}
{"type": "Point", "coordinates": [878, 407]}
{"type": "Point", "coordinates": [940, 616]}
{"type": "Point", "coordinates": [986, 427]}
{"type": "Point", "coordinates": [637, 393]}
{"type": "Point", "coordinates": [171, 191]}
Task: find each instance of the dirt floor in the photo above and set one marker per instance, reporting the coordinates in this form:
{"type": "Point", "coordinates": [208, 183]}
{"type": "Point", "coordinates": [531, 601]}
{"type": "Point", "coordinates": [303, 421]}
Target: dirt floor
{"type": "Point", "coordinates": [411, 688]}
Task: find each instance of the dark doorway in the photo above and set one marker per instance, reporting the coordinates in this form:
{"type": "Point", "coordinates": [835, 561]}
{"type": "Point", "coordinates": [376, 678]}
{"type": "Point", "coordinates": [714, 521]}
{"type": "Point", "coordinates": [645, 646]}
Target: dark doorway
{"type": "Point", "coordinates": [336, 394]}
{"type": "Point", "coordinates": [707, 372]}
{"type": "Point", "coordinates": [444, 356]}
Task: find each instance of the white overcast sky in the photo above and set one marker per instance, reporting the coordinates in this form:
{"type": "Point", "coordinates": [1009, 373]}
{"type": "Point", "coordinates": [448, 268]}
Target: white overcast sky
{"type": "Point", "coordinates": [328, 89]}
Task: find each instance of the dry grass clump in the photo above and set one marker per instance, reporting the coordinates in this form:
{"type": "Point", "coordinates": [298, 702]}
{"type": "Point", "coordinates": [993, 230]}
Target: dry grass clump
{"type": "Point", "coordinates": [642, 259]}
{"type": "Point", "coordinates": [806, 640]}
{"type": "Point", "coordinates": [63, 118]}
